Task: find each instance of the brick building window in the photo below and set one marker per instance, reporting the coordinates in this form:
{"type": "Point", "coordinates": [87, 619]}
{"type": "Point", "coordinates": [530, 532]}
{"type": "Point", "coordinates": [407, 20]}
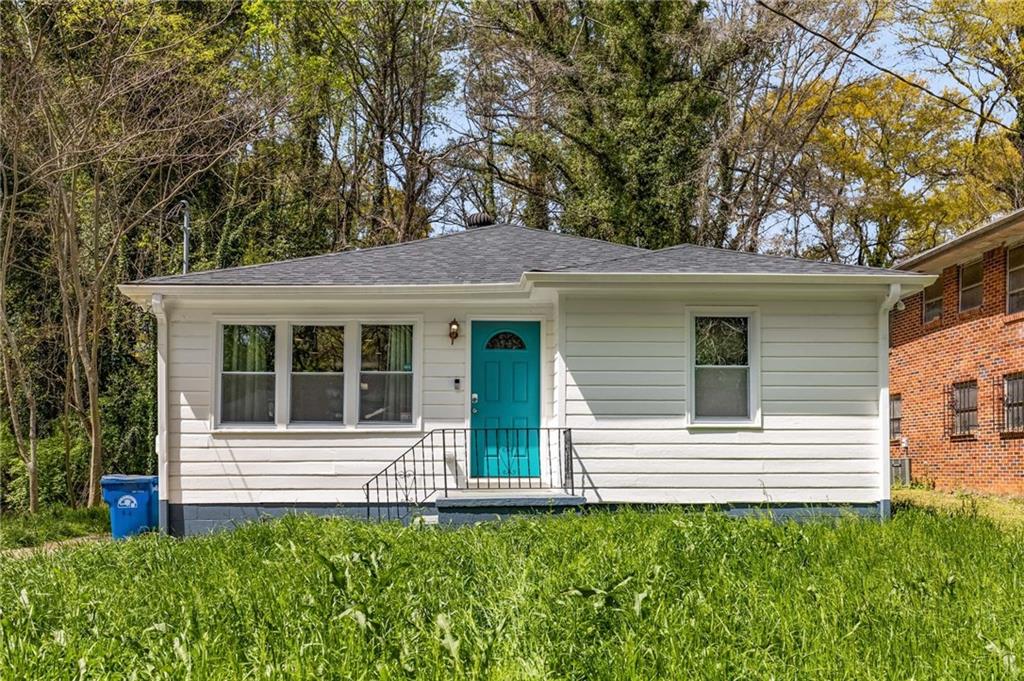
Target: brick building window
{"type": "Point", "coordinates": [1015, 279]}
{"type": "Point", "coordinates": [1013, 403]}
{"type": "Point", "coordinates": [895, 417]}
{"type": "Point", "coordinates": [962, 401]}
{"type": "Point", "coordinates": [970, 286]}
{"type": "Point", "coordinates": [933, 301]}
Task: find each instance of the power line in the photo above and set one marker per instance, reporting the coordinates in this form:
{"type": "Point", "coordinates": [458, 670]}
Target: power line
{"type": "Point", "coordinates": [879, 67]}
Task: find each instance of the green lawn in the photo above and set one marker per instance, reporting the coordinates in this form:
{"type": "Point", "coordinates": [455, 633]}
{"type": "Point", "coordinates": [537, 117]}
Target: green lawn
{"type": "Point", "coordinates": [605, 595]}
{"type": "Point", "coordinates": [50, 525]}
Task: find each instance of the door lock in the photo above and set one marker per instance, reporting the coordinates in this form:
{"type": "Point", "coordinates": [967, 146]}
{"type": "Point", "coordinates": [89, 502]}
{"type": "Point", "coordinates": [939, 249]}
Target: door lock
{"type": "Point", "coordinates": [474, 398]}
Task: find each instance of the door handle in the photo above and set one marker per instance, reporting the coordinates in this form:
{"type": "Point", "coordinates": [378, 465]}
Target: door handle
{"type": "Point", "coordinates": [475, 410]}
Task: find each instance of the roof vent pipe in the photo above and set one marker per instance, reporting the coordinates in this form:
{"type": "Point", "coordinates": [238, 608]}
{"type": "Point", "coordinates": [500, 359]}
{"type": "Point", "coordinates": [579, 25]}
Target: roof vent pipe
{"type": "Point", "coordinates": [479, 220]}
{"type": "Point", "coordinates": [186, 228]}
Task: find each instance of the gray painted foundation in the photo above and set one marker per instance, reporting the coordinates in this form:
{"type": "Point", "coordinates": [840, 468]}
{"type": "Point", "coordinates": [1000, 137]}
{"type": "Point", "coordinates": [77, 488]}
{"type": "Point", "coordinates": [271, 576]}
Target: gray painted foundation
{"type": "Point", "coordinates": [183, 520]}
{"type": "Point", "coordinates": [779, 511]}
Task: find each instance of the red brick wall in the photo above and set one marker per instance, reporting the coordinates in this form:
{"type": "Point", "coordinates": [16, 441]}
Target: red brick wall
{"type": "Point", "coordinates": [982, 345]}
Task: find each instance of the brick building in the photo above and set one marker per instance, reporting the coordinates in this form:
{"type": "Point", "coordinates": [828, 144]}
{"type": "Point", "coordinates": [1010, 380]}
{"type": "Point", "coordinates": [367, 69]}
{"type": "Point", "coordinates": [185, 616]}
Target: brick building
{"type": "Point", "coordinates": [957, 363]}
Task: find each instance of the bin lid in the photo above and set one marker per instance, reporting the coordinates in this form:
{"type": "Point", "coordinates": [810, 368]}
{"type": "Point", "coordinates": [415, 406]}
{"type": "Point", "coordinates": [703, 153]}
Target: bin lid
{"type": "Point", "coordinates": [121, 480]}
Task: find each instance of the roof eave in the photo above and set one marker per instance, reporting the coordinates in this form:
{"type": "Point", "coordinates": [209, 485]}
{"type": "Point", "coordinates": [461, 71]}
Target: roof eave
{"type": "Point", "coordinates": [880, 278]}
{"type": "Point", "coordinates": [961, 242]}
{"type": "Point", "coordinates": [142, 293]}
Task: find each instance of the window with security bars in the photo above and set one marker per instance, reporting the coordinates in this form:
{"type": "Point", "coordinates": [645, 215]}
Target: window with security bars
{"type": "Point", "coordinates": [895, 417]}
{"type": "Point", "coordinates": [962, 403]}
{"type": "Point", "coordinates": [1013, 403]}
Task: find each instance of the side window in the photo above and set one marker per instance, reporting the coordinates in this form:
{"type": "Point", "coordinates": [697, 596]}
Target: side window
{"type": "Point", "coordinates": [1015, 279]}
{"type": "Point", "coordinates": [386, 377]}
{"type": "Point", "coordinates": [964, 407]}
{"type": "Point", "coordinates": [1013, 403]}
{"type": "Point", "coordinates": [247, 374]}
{"type": "Point", "coordinates": [722, 382]}
{"type": "Point", "coordinates": [895, 417]}
{"type": "Point", "coordinates": [933, 301]}
{"type": "Point", "coordinates": [970, 286]}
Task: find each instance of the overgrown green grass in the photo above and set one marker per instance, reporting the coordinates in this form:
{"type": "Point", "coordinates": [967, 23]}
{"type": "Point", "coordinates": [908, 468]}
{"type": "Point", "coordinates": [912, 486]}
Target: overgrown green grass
{"type": "Point", "coordinates": [52, 525]}
{"type": "Point", "coordinates": [606, 595]}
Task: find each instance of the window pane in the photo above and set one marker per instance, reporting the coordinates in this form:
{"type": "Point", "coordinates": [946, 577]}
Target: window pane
{"type": "Point", "coordinates": [387, 347]}
{"type": "Point", "coordinates": [934, 292]}
{"type": "Point", "coordinates": [933, 310]}
{"type": "Point", "coordinates": [1016, 302]}
{"type": "Point", "coordinates": [385, 398]}
{"type": "Point", "coordinates": [970, 274]}
{"type": "Point", "coordinates": [721, 341]}
{"type": "Point", "coordinates": [318, 397]}
{"type": "Point", "coordinates": [505, 340]}
{"type": "Point", "coordinates": [248, 348]}
{"type": "Point", "coordinates": [247, 398]}
{"type": "Point", "coordinates": [721, 392]}
{"type": "Point", "coordinates": [970, 298]}
{"type": "Point", "coordinates": [1013, 402]}
{"type": "Point", "coordinates": [1016, 280]}
{"type": "Point", "coordinates": [1016, 257]}
{"type": "Point", "coordinates": [318, 348]}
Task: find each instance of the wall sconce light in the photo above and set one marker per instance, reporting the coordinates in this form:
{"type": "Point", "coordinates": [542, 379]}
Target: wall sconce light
{"type": "Point", "coordinates": [453, 329]}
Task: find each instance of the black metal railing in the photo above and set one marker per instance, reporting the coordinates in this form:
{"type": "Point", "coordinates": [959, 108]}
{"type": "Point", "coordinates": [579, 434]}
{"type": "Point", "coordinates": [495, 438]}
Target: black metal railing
{"type": "Point", "coordinates": [449, 459]}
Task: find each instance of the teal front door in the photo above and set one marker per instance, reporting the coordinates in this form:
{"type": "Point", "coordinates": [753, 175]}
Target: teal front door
{"type": "Point", "coordinates": [505, 400]}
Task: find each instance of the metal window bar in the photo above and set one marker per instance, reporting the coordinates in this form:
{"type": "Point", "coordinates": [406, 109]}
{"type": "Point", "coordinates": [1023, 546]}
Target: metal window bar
{"type": "Point", "coordinates": [963, 406]}
{"type": "Point", "coordinates": [895, 417]}
{"type": "Point", "coordinates": [1012, 403]}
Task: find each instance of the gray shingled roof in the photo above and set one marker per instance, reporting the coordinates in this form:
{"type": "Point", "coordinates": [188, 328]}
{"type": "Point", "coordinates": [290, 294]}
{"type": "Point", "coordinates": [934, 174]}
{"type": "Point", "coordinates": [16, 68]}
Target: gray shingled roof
{"type": "Point", "coordinates": [484, 255]}
{"type": "Point", "coordinates": [690, 259]}
{"type": "Point", "coordinates": [494, 255]}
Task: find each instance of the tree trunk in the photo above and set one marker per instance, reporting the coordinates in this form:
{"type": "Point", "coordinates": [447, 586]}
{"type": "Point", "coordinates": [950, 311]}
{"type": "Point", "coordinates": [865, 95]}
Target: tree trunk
{"type": "Point", "coordinates": [95, 437]}
{"type": "Point", "coordinates": [32, 467]}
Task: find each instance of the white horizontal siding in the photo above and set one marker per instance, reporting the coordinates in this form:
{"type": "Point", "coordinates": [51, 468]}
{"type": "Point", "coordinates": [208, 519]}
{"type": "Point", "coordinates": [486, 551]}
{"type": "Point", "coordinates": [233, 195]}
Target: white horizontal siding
{"type": "Point", "coordinates": [306, 465]}
{"type": "Point", "coordinates": [624, 394]}
{"type": "Point", "coordinates": [625, 398]}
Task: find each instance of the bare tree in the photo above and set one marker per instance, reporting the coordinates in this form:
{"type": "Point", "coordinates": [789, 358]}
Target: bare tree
{"type": "Point", "coordinates": [119, 131]}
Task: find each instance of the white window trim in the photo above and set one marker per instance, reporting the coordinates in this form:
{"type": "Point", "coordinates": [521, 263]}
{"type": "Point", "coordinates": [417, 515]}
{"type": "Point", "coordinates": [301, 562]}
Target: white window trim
{"type": "Point", "coordinates": [318, 425]}
{"type": "Point", "coordinates": [282, 367]}
{"type": "Point", "coordinates": [359, 373]}
{"type": "Point", "coordinates": [960, 285]}
{"type": "Point", "coordinates": [1010, 247]}
{"type": "Point", "coordinates": [755, 420]}
{"type": "Point", "coordinates": [218, 364]}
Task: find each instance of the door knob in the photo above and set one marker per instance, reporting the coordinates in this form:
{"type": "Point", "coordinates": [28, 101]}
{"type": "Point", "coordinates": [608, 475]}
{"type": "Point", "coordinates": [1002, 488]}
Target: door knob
{"type": "Point", "coordinates": [475, 410]}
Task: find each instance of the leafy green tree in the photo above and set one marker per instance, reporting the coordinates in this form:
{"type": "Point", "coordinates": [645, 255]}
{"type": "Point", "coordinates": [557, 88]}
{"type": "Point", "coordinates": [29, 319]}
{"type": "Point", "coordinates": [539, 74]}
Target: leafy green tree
{"type": "Point", "coordinates": [608, 106]}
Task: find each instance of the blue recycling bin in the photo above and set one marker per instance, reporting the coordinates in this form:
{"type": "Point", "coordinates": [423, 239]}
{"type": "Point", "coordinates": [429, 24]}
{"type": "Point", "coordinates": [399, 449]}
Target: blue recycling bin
{"type": "Point", "coordinates": [134, 503]}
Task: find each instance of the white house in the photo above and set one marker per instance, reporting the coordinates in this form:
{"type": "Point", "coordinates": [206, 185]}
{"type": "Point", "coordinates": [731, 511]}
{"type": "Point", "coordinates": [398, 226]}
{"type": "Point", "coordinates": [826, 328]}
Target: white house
{"type": "Point", "coordinates": [507, 367]}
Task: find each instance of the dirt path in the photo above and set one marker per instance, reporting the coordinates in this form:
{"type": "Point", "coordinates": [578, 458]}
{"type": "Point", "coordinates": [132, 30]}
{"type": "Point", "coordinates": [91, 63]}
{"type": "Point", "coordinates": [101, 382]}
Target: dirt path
{"type": "Point", "coordinates": [50, 547]}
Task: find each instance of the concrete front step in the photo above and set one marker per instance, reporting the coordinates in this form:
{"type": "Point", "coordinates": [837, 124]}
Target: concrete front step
{"type": "Point", "coordinates": [470, 506]}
